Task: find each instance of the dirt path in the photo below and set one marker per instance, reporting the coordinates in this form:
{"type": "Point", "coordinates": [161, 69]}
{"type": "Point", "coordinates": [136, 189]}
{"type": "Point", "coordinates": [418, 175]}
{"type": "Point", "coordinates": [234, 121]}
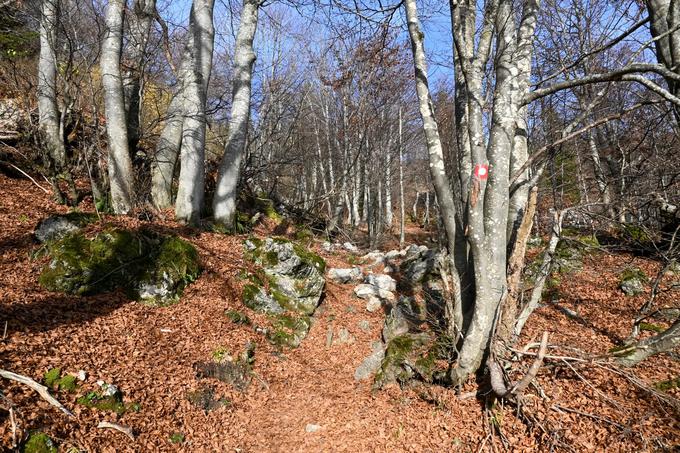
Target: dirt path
{"type": "Point", "coordinates": [150, 354]}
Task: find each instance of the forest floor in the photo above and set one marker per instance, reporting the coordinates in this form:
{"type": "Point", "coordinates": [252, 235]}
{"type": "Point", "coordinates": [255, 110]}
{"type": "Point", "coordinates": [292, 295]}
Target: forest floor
{"type": "Point", "coordinates": [150, 354]}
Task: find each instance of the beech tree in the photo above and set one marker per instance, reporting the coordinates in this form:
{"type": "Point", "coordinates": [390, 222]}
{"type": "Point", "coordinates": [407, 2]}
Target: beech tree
{"type": "Point", "coordinates": [224, 202]}
{"type": "Point", "coordinates": [121, 178]}
{"type": "Point", "coordinates": [487, 215]}
{"type": "Point", "coordinates": [49, 120]}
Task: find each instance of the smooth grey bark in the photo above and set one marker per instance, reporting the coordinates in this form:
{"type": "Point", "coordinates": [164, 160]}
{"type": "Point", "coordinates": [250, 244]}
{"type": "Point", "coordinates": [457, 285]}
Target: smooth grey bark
{"type": "Point", "coordinates": [402, 210]}
{"type": "Point", "coordinates": [196, 59]}
{"type": "Point", "coordinates": [665, 27]}
{"type": "Point", "coordinates": [388, 181]}
{"type": "Point", "coordinates": [224, 203]}
{"type": "Point", "coordinates": [121, 178]}
{"type": "Point", "coordinates": [663, 342]}
{"type": "Point", "coordinates": [191, 188]}
{"type": "Point", "coordinates": [139, 22]}
{"type": "Point", "coordinates": [436, 157]}
{"type": "Point", "coordinates": [49, 119]}
{"type": "Point", "coordinates": [484, 170]}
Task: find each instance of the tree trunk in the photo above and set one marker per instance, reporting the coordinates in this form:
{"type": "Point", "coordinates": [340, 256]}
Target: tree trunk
{"type": "Point", "coordinates": [140, 29]}
{"type": "Point", "coordinates": [191, 187]}
{"type": "Point", "coordinates": [436, 155]}
{"type": "Point", "coordinates": [402, 211]}
{"type": "Point", "coordinates": [120, 165]}
{"type": "Point", "coordinates": [224, 204]}
{"type": "Point", "coordinates": [49, 118]}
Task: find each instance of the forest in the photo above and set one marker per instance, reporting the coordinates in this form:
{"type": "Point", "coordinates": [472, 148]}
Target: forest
{"type": "Point", "coordinates": [339, 225]}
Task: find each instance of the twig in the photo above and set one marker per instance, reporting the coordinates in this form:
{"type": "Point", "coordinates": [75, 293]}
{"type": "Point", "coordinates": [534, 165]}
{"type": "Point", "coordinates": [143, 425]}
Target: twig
{"type": "Point", "coordinates": [120, 428]}
{"type": "Point", "coordinates": [559, 408]}
{"type": "Point", "coordinates": [4, 332]}
{"type": "Point", "coordinates": [12, 419]}
{"type": "Point", "coordinates": [28, 176]}
{"type": "Point", "coordinates": [41, 389]}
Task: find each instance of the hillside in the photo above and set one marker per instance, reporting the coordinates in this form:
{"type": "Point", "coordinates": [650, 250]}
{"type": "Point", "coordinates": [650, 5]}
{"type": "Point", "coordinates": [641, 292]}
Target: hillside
{"type": "Point", "coordinates": [306, 399]}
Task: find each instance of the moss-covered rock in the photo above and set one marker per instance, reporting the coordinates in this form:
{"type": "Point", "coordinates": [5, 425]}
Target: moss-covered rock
{"type": "Point", "coordinates": [632, 281]}
{"type": "Point", "coordinates": [289, 330]}
{"type": "Point", "coordinates": [148, 266]}
{"type": "Point", "coordinates": [175, 266]}
{"type": "Point", "coordinates": [237, 372]}
{"type": "Point", "coordinates": [108, 401]}
{"type": "Point", "coordinates": [288, 287]}
{"type": "Point", "coordinates": [39, 442]}
{"type": "Point", "coordinates": [58, 226]}
{"type": "Point", "coordinates": [406, 357]}
{"type": "Point", "coordinates": [568, 256]}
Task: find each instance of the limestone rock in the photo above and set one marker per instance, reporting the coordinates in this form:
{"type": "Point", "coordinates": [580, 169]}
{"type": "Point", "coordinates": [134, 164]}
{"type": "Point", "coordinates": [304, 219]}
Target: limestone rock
{"type": "Point", "coordinates": [370, 364]}
{"type": "Point", "coordinates": [57, 226]}
{"type": "Point", "coordinates": [364, 325]}
{"type": "Point", "coordinates": [365, 290]}
{"type": "Point", "coordinates": [373, 304]}
{"type": "Point", "coordinates": [148, 266]}
{"type": "Point", "coordinates": [345, 275]}
{"type": "Point", "coordinates": [374, 258]}
{"type": "Point", "coordinates": [633, 281]}
{"type": "Point", "coordinates": [350, 247]}
{"type": "Point", "coordinates": [295, 283]}
{"type": "Point", "coordinates": [344, 337]}
{"type": "Point", "coordinates": [382, 281]}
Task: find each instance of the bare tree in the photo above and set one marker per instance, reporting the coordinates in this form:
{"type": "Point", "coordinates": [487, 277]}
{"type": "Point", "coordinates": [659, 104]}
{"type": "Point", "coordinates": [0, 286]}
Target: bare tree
{"type": "Point", "coordinates": [50, 123]}
{"type": "Point", "coordinates": [224, 203]}
{"type": "Point", "coordinates": [192, 170]}
{"type": "Point", "coordinates": [119, 164]}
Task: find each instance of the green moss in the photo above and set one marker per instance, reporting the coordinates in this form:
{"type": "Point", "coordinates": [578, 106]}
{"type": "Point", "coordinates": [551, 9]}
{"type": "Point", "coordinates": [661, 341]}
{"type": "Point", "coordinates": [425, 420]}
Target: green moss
{"type": "Point", "coordinates": [51, 377]}
{"type": "Point", "coordinates": [636, 233]}
{"type": "Point", "coordinates": [39, 442]}
{"type": "Point", "coordinates": [176, 438]}
{"type": "Point", "coordinates": [670, 384]}
{"type": "Point", "coordinates": [633, 273]}
{"type": "Point", "coordinates": [54, 380]}
{"type": "Point", "coordinates": [396, 353]}
{"type": "Point", "coordinates": [304, 234]}
{"type": "Point", "coordinates": [118, 258]}
{"type": "Point", "coordinates": [81, 218]}
{"type": "Point", "coordinates": [82, 266]}
{"type": "Point", "coordinates": [238, 318]}
{"type": "Point", "coordinates": [111, 403]}
{"type": "Point", "coordinates": [310, 257]}
{"type": "Point", "coordinates": [271, 258]}
{"type": "Point", "coordinates": [249, 295]}
{"type": "Point", "coordinates": [645, 326]}
{"type": "Point", "coordinates": [288, 330]}
{"type": "Point", "coordinates": [175, 266]}
{"type": "Point", "coordinates": [589, 241]}
{"type": "Point", "coordinates": [280, 298]}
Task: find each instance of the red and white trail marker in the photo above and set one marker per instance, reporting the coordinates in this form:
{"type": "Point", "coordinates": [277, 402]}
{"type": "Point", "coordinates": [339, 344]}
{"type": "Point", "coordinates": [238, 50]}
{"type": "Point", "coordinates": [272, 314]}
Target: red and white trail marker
{"type": "Point", "coordinates": [481, 171]}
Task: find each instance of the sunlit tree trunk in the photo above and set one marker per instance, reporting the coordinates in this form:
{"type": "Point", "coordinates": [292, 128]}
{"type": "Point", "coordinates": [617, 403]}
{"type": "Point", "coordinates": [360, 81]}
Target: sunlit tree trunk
{"type": "Point", "coordinates": [121, 179]}
{"type": "Point", "coordinates": [224, 203]}
{"type": "Point", "coordinates": [191, 186]}
{"type": "Point", "coordinates": [49, 119]}
{"type": "Point", "coordinates": [402, 210]}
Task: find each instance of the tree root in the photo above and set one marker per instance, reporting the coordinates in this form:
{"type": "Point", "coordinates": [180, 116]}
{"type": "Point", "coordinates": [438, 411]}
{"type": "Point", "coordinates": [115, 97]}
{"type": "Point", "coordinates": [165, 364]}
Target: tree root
{"type": "Point", "coordinates": [496, 372]}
